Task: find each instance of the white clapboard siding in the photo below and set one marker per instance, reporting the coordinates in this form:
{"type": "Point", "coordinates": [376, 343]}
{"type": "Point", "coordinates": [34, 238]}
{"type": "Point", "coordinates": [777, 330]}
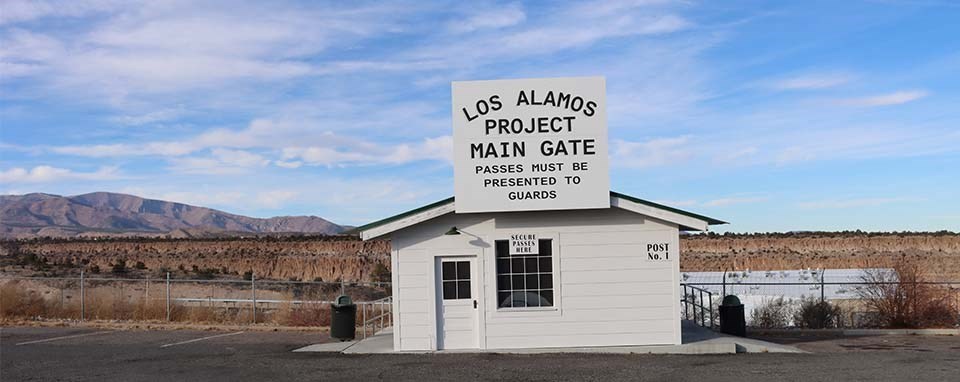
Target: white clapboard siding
{"type": "Point", "coordinates": [582, 339]}
{"type": "Point", "coordinates": [616, 302]}
{"type": "Point", "coordinates": [607, 291]}
{"type": "Point", "coordinates": [415, 343]}
{"type": "Point", "coordinates": [412, 318]}
{"type": "Point", "coordinates": [635, 288]}
{"type": "Point", "coordinates": [570, 276]}
{"type": "Point", "coordinates": [636, 261]}
{"type": "Point", "coordinates": [598, 327]}
{"type": "Point", "coordinates": [416, 331]}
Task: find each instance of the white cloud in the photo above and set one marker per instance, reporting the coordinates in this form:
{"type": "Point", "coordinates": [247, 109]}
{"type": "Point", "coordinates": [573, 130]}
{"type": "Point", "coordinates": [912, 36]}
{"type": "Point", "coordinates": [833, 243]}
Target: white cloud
{"type": "Point", "coordinates": [220, 162]}
{"type": "Point", "coordinates": [15, 11]}
{"type": "Point", "coordinates": [150, 117]}
{"type": "Point", "coordinates": [297, 143]}
{"type": "Point", "coordinates": [47, 174]}
{"type": "Point", "coordinates": [140, 49]}
{"type": "Point", "coordinates": [275, 198]}
{"type": "Point", "coordinates": [677, 203]}
{"type": "Point", "coordinates": [652, 153]}
{"type": "Point", "coordinates": [722, 202]}
{"type": "Point", "coordinates": [811, 81]}
{"type": "Point", "coordinates": [895, 98]}
{"type": "Point", "coordinates": [365, 153]}
{"type": "Point", "coordinates": [288, 164]}
{"type": "Point", "coordinates": [495, 17]}
{"type": "Point", "coordinates": [853, 203]}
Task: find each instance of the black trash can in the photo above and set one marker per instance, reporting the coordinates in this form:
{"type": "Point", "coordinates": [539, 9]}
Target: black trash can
{"type": "Point", "coordinates": [343, 319]}
{"type": "Point", "coordinates": [732, 320]}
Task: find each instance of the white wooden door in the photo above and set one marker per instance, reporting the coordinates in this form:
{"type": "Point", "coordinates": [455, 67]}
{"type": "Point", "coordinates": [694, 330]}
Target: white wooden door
{"type": "Point", "coordinates": [457, 312]}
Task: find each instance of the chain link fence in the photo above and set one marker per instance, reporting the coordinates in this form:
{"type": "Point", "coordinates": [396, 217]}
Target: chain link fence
{"type": "Point", "coordinates": [271, 302]}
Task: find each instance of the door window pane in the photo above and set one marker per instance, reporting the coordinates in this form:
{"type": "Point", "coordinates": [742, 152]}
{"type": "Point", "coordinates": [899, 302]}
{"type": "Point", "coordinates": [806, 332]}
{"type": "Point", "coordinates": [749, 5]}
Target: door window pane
{"type": "Point", "coordinates": [455, 276]}
{"type": "Point", "coordinates": [449, 271]}
{"type": "Point", "coordinates": [449, 290]}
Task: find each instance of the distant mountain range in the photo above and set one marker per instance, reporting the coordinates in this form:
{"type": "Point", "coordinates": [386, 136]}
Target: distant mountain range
{"type": "Point", "coordinates": [112, 214]}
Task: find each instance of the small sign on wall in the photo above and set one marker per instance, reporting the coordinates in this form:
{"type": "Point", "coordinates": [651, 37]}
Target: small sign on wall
{"type": "Point", "coordinates": [524, 244]}
{"type": "Point", "coordinates": [658, 252]}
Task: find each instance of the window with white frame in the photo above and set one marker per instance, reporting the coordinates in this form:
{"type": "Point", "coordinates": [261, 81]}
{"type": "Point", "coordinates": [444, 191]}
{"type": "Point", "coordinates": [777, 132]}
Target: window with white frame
{"type": "Point", "coordinates": [524, 280]}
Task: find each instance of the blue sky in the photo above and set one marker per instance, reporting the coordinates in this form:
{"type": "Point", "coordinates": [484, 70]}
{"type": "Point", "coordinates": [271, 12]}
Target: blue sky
{"type": "Point", "coordinates": [772, 115]}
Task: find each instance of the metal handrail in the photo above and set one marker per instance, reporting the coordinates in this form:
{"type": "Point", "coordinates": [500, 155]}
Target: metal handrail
{"type": "Point", "coordinates": [690, 299]}
{"type": "Point", "coordinates": [381, 319]}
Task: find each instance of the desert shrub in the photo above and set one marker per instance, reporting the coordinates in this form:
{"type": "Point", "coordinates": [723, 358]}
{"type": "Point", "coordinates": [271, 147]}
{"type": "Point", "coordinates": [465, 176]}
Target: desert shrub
{"type": "Point", "coordinates": [95, 269]}
{"type": "Point", "coordinates": [248, 275]}
{"type": "Point", "coordinates": [815, 314]}
{"type": "Point", "coordinates": [119, 267]}
{"type": "Point", "coordinates": [901, 298]}
{"type": "Point", "coordinates": [16, 301]}
{"type": "Point", "coordinates": [772, 313]}
{"type": "Point", "coordinates": [140, 265]}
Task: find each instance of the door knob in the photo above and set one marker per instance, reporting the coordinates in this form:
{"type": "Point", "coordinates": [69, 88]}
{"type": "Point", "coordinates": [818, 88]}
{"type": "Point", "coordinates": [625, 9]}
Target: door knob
{"type": "Point", "coordinates": [474, 304]}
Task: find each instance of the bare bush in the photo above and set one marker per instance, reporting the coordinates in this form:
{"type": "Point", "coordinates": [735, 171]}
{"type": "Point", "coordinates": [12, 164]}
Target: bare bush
{"type": "Point", "coordinates": [902, 298]}
{"type": "Point", "coordinates": [815, 314]}
{"type": "Point", "coordinates": [772, 314]}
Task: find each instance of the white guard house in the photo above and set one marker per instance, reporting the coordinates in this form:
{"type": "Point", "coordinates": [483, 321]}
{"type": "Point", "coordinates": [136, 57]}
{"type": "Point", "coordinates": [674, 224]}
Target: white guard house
{"type": "Point", "coordinates": [536, 279]}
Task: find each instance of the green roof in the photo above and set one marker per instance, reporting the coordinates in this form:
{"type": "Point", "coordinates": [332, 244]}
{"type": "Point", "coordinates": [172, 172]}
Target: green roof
{"type": "Point", "coordinates": [709, 220]}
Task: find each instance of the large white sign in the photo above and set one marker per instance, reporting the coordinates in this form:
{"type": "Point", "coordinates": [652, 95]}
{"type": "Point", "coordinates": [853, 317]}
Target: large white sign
{"type": "Point", "coordinates": [532, 144]}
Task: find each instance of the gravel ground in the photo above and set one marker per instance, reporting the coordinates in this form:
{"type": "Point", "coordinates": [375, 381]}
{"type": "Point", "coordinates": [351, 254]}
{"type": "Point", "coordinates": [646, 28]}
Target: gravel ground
{"type": "Point", "coordinates": [95, 354]}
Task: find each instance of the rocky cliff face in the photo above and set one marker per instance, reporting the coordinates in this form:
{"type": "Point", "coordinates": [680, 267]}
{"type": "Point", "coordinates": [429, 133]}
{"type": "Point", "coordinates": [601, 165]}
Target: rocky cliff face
{"type": "Point", "coordinates": [325, 259]}
{"type": "Point", "coordinates": [938, 253]}
{"type": "Point", "coordinates": [348, 258]}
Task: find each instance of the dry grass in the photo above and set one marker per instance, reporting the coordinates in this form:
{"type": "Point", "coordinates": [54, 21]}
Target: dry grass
{"type": "Point", "coordinates": [29, 302]}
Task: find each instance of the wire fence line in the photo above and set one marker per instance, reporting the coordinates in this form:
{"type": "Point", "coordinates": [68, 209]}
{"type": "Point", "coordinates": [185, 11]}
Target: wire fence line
{"type": "Point", "coordinates": [283, 302]}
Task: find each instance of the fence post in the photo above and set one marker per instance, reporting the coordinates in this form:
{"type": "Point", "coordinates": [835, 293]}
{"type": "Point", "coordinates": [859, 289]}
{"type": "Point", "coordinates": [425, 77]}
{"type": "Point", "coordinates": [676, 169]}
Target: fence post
{"type": "Point", "coordinates": [168, 296]}
{"type": "Point", "coordinates": [82, 300]}
{"type": "Point", "coordinates": [822, 286]}
{"type": "Point", "coordinates": [724, 284]}
{"type": "Point", "coordinates": [253, 287]}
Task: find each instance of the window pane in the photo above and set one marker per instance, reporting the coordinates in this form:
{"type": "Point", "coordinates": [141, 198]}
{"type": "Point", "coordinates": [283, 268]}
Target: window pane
{"type": "Point", "coordinates": [503, 300]}
{"type": "Point", "coordinates": [533, 299]}
{"type": "Point", "coordinates": [449, 270]}
{"type": "Point", "coordinates": [546, 280]}
{"type": "Point", "coordinates": [449, 290]}
{"type": "Point", "coordinates": [503, 266]}
{"type": "Point", "coordinates": [546, 264]}
{"type": "Point", "coordinates": [546, 297]}
{"type": "Point", "coordinates": [503, 282]}
{"type": "Point", "coordinates": [517, 281]}
{"type": "Point", "coordinates": [517, 266]}
{"type": "Point", "coordinates": [531, 264]}
{"type": "Point", "coordinates": [463, 270]}
{"type": "Point", "coordinates": [545, 248]}
{"type": "Point", "coordinates": [533, 282]}
{"type": "Point", "coordinates": [502, 248]}
{"type": "Point", "coordinates": [463, 289]}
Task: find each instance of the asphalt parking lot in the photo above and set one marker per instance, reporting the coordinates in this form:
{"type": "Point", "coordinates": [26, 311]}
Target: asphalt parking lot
{"type": "Point", "coordinates": [40, 354]}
